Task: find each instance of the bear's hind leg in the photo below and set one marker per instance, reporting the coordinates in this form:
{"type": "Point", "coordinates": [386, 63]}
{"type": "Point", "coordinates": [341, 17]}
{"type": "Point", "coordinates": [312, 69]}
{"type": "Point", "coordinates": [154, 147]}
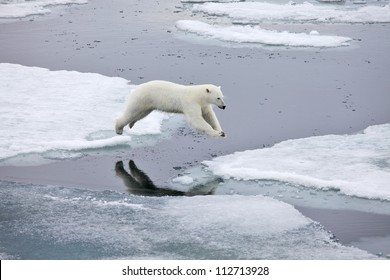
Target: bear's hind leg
{"type": "Point", "coordinates": [123, 121]}
{"type": "Point", "coordinates": [133, 117]}
{"type": "Point", "coordinates": [138, 116]}
{"type": "Point", "coordinates": [119, 125]}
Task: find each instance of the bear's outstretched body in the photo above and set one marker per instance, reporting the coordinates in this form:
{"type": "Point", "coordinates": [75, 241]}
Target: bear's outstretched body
{"type": "Point", "coordinates": [193, 101]}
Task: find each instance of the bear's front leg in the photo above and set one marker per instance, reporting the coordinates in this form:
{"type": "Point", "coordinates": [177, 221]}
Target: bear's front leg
{"type": "Point", "coordinates": [219, 133]}
{"type": "Point", "coordinates": [196, 120]}
{"type": "Point", "coordinates": [210, 117]}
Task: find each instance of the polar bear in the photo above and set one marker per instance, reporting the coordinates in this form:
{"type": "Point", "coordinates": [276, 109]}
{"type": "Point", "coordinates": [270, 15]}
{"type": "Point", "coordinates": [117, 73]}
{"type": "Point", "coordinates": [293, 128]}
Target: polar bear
{"type": "Point", "coordinates": [193, 101]}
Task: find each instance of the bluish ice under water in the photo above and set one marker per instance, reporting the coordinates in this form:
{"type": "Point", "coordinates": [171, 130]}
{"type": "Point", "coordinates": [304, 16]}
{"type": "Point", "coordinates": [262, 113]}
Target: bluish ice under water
{"type": "Point", "coordinates": [51, 222]}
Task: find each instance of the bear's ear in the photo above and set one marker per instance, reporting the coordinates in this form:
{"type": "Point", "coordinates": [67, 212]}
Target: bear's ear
{"type": "Point", "coordinates": [208, 91]}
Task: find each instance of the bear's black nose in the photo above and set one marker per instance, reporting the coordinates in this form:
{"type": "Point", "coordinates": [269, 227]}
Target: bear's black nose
{"type": "Point", "coordinates": [223, 107]}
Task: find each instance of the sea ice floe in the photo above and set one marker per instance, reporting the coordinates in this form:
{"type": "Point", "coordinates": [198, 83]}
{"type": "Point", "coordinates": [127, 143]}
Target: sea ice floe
{"type": "Point", "coordinates": [47, 111]}
{"type": "Point", "coordinates": [246, 20]}
{"type": "Point", "coordinates": [257, 35]}
{"type": "Point", "coordinates": [20, 9]}
{"type": "Point", "coordinates": [356, 165]}
{"type": "Point", "coordinates": [254, 12]}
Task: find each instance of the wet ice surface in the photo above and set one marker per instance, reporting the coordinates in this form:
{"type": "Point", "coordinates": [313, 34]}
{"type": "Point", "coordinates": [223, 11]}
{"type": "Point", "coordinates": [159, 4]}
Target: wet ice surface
{"type": "Point", "coordinates": [47, 222]}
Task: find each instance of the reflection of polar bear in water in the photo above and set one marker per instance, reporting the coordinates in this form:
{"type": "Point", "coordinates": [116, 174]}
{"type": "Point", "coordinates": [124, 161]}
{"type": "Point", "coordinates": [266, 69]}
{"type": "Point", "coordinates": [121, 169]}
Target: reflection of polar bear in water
{"type": "Point", "coordinates": [139, 183]}
{"type": "Point", "coordinates": [192, 101]}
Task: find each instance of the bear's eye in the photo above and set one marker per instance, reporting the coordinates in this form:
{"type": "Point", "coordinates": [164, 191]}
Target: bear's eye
{"type": "Point", "coordinates": [219, 98]}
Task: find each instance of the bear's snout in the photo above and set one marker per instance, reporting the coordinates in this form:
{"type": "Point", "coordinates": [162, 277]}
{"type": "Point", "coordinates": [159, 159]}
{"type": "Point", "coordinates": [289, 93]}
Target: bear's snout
{"type": "Point", "coordinates": [222, 107]}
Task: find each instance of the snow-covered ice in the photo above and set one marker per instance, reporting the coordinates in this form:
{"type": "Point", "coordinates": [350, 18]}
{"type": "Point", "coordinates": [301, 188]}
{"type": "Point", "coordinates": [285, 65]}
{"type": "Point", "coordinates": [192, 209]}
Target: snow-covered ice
{"type": "Point", "coordinates": [356, 165]}
{"type": "Point", "coordinates": [22, 8]}
{"type": "Point", "coordinates": [49, 111]}
{"type": "Point", "coordinates": [254, 34]}
{"type": "Point", "coordinates": [47, 222]}
{"type": "Point", "coordinates": [251, 12]}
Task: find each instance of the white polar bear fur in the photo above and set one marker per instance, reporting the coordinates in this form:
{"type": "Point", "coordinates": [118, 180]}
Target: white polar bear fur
{"type": "Point", "coordinates": [193, 101]}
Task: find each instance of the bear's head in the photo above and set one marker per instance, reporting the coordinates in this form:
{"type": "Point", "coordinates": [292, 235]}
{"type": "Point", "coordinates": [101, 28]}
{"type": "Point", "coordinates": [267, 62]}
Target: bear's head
{"type": "Point", "coordinates": [215, 96]}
